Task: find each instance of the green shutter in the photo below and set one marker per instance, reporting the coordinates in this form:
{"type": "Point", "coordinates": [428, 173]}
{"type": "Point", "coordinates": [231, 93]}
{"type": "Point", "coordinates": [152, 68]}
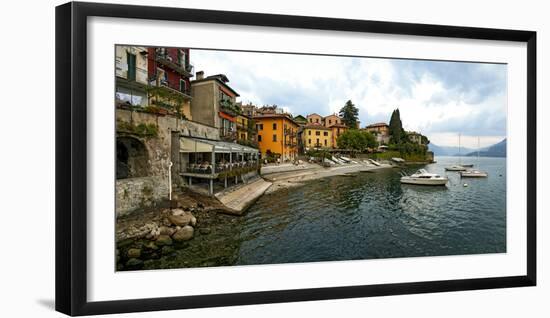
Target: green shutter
{"type": "Point", "coordinates": [131, 58]}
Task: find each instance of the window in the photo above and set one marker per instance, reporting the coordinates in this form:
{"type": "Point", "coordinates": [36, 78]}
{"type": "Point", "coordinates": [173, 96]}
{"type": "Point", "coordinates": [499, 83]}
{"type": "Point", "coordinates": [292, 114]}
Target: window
{"type": "Point", "coordinates": [325, 142]}
{"type": "Point", "coordinates": [330, 121]}
{"type": "Point", "coordinates": [274, 126]}
{"type": "Point", "coordinates": [309, 141]}
{"type": "Point", "coordinates": [183, 86]}
{"type": "Point", "coordinates": [317, 133]}
{"type": "Point", "coordinates": [309, 132]}
{"type": "Point", "coordinates": [325, 133]}
{"type": "Point", "coordinates": [317, 142]}
{"type": "Point", "coordinates": [131, 59]}
{"type": "Point", "coordinates": [259, 138]}
{"type": "Point", "coordinates": [316, 120]}
{"type": "Point", "coordinates": [260, 126]}
{"type": "Point", "coordinates": [274, 137]}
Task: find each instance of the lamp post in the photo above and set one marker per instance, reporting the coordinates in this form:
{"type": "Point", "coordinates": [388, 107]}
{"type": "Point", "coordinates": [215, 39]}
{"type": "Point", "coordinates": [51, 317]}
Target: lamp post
{"type": "Point", "coordinates": [170, 182]}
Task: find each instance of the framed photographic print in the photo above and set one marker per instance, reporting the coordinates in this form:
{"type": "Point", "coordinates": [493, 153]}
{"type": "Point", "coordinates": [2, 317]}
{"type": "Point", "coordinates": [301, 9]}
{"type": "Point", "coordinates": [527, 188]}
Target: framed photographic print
{"type": "Point", "coordinates": [209, 158]}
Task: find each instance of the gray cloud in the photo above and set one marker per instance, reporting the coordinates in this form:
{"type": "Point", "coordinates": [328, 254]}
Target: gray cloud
{"type": "Point", "coordinates": [433, 96]}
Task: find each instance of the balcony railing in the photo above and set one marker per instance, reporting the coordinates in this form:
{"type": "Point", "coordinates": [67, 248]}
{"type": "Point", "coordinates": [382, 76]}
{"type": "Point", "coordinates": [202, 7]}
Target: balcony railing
{"type": "Point", "coordinates": [220, 167]}
{"type": "Point", "coordinates": [227, 134]}
{"type": "Point", "coordinates": [166, 60]}
{"type": "Point", "coordinates": [242, 126]}
{"type": "Point", "coordinates": [176, 88]}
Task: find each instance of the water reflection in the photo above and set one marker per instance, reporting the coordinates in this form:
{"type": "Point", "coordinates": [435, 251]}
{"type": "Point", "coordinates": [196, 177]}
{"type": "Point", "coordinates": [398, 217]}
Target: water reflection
{"type": "Point", "coordinates": [370, 215]}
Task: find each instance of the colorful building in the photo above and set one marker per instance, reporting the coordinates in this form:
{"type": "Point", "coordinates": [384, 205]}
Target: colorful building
{"type": "Point", "coordinates": [131, 76]}
{"type": "Point", "coordinates": [169, 71]}
{"type": "Point", "coordinates": [332, 120]}
{"type": "Point", "coordinates": [415, 137]}
{"type": "Point", "coordinates": [314, 119]}
{"type": "Point", "coordinates": [337, 130]}
{"type": "Point", "coordinates": [278, 135]}
{"type": "Point", "coordinates": [381, 132]}
{"type": "Point", "coordinates": [244, 131]}
{"type": "Point", "coordinates": [316, 136]}
{"type": "Point", "coordinates": [214, 104]}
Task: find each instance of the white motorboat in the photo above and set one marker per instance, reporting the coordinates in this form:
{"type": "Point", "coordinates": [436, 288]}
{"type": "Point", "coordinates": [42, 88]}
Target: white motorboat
{"type": "Point", "coordinates": [473, 173]}
{"type": "Point", "coordinates": [455, 168]}
{"type": "Point", "coordinates": [423, 177]}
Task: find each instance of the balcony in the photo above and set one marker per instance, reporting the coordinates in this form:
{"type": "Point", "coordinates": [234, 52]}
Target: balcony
{"type": "Point", "coordinates": [228, 134]}
{"type": "Point", "coordinates": [290, 132]}
{"type": "Point", "coordinates": [174, 88]}
{"type": "Point", "coordinates": [242, 126]}
{"type": "Point", "coordinates": [166, 60]}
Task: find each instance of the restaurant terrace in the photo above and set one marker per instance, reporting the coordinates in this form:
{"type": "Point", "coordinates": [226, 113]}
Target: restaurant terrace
{"type": "Point", "coordinates": [216, 160]}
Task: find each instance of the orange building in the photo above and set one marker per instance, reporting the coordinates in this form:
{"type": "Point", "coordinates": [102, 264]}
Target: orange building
{"type": "Point", "coordinates": [337, 130]}
{"type": "Point", "coordinates": [277, 134]}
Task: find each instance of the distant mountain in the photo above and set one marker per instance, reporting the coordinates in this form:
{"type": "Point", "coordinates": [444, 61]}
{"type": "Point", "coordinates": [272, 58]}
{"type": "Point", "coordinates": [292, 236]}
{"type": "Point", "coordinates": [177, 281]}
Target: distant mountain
{"type": "Point", "coordinates": [496, 150]}
{"type": "Point", "coordinates": [448, 151]}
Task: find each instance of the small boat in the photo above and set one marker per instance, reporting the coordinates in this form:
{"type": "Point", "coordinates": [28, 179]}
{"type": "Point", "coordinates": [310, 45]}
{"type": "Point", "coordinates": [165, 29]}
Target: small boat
{"type": "Point", "coordinates": [374, 162]}
{"type": "Point", "coordinates": [469, 165]}
{"type": "Point", "coordinates": [473, 173]}
{"type": "Point", "coordinates": [455, 168]}
{"type": "Point", "coordinates": [423, 177]}
{"type": "Point", "coordinates": [459, 166]}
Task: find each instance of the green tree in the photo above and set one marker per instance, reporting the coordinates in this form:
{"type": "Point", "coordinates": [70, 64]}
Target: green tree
{"type": "Point", "coordinates": [356, 140]}
{"type": "Point", "coordinates": [397, 133]}
{"type": "Point", "coordinates": [350, 114]}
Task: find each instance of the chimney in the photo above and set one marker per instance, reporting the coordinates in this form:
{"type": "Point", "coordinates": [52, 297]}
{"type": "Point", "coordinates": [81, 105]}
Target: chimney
{"type": "Point", "coordinates": [200, 75]}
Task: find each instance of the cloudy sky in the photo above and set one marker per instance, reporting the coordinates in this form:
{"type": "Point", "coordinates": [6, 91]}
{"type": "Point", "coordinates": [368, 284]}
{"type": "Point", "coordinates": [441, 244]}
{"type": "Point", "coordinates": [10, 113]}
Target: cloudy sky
{"type": "Point", "coordinates": [437, 99]}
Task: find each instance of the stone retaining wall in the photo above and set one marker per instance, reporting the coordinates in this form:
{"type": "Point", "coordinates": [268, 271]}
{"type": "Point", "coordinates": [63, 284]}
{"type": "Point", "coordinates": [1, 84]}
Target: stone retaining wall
{"type": "Point", "coordinates": [134, 193]}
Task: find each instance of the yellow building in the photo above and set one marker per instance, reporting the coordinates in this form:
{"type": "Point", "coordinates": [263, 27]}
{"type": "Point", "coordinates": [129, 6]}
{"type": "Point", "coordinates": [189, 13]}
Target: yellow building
{"type": "Point", "coordinates": [337, 130]}
{"type": "Point", "coordinates": [315, 136]}
{"type": "Point", "coordinates": [277, 134]}
{"type": "Point", "coordinates": [242, 127]}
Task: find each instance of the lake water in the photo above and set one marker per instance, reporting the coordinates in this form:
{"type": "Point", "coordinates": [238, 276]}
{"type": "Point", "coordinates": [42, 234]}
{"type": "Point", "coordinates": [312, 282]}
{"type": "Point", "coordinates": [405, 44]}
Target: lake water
{"type": "Point", "coordinates": [364, 216]}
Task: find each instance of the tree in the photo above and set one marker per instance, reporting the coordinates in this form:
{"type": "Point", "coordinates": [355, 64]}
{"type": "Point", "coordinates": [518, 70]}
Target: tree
{"type": "Point", "coordinates": [397, 133]}
{"type": "Point", "coordinates": [350, 114]}
{"type": "Point", "coordinates": [356, 140]}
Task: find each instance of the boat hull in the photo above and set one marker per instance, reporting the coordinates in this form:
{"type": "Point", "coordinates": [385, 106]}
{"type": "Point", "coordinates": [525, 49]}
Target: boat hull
{"type": "Point", "coordinates": [455, 169]}
{"type": "Point", "coordinates": [474, 175]}
{"type": "Point", "coordinates": [424, 181]}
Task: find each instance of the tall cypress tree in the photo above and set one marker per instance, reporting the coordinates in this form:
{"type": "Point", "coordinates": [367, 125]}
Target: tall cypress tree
{"type": "Point", "coordinates": [350, 114]}
{"type": "Point", "coordinates": [397, 133]}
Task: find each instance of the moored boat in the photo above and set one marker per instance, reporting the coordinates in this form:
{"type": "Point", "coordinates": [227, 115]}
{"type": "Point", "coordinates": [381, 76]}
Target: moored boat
{"type": "Point", "coordinates": [455, 168]}
{"type": "Point", "coordinates": [423, 177]}
{"type": "Point", "coordinates": [473, 173]}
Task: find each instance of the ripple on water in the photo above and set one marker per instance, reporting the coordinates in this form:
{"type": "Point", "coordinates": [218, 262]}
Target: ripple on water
{"type": "Point", "coordinates": [369, 216]}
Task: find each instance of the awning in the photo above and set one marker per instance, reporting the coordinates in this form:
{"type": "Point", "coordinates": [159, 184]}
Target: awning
{"type": "Point", "coordinates": [190, 144]}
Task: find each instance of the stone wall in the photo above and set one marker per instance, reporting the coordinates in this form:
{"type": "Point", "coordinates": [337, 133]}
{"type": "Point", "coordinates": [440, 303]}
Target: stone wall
{"type": "Point", "coordinates": [162, 148]}
{"type": "Point", "coordinates": [133, 193]}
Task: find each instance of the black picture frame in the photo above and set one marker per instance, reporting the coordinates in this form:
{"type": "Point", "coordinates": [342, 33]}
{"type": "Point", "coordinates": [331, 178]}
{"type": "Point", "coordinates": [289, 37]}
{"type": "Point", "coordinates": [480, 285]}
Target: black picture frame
{"type": "Point", "coordinates": [71, 157]}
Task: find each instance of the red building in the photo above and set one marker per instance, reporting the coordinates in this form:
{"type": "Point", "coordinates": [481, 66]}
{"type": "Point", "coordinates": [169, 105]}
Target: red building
{"type": "Point", "coordinates": [171, 68]}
